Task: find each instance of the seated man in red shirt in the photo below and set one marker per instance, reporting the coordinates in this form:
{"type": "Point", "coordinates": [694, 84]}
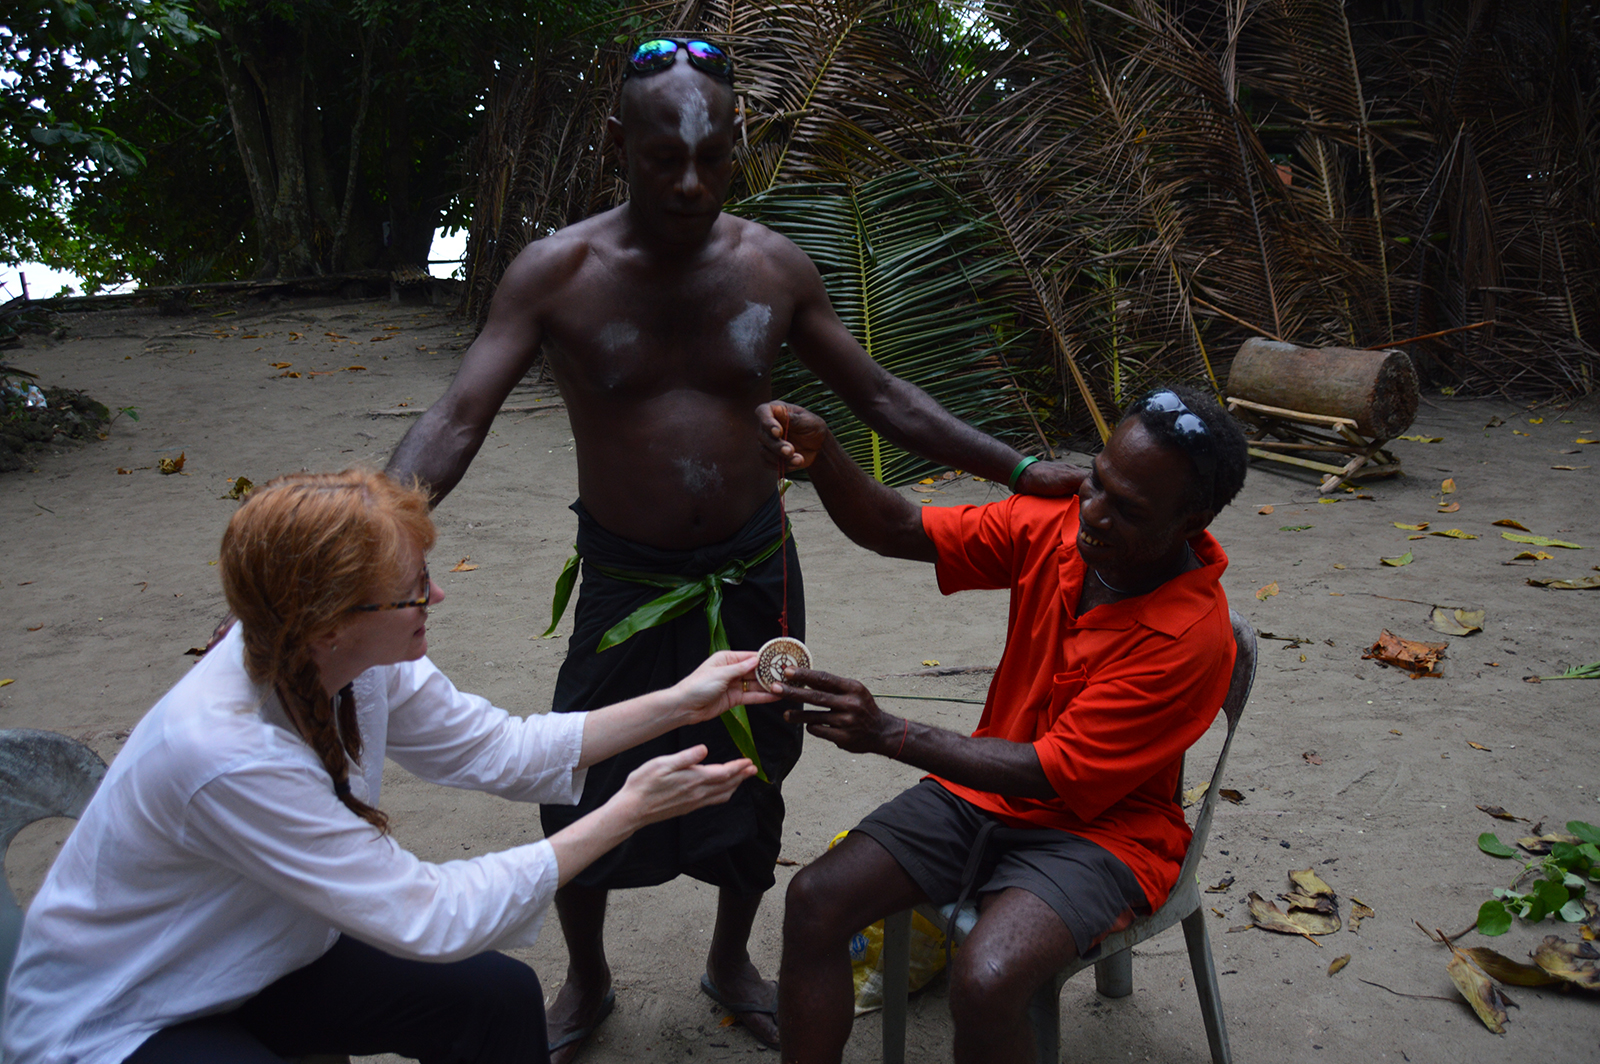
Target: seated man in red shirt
{"type": "Point", "coordinates": [1058, 814]}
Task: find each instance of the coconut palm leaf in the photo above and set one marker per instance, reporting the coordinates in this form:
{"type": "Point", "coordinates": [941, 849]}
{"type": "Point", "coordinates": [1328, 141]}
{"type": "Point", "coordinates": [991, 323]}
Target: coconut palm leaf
{"type": "Point", "coordinates": [909, 275]}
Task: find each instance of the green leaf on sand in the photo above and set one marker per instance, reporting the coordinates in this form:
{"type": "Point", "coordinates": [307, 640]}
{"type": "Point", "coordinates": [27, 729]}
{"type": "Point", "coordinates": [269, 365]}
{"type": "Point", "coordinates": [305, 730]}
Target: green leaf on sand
{"type": "Point", "coordinates": [1490, 844]}
{"type": "Point", "coordinates": [1404, 559]}
{"type": "Point", "coordinates": [1585, 831]}
{"type": "Point", "coordinates": [1493, 918]}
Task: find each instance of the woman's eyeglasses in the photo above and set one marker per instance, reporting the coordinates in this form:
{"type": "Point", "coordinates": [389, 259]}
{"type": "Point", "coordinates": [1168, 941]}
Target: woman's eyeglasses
{"type": "Point", "coordinates": [421, 600]}
{"type": "Point", "coordinates": [654, 56]}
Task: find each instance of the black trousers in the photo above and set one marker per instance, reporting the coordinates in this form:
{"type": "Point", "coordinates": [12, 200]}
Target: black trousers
{"type": "Point", "coordinates": [360, 1001]}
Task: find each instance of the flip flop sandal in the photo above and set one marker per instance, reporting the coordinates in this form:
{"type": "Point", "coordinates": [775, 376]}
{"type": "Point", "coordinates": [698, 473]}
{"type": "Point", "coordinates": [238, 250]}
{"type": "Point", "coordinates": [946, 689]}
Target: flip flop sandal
{"type": "Point", "coordinates": [577, 1035]}
{"type": "Point", "coordinates": [710, 990]}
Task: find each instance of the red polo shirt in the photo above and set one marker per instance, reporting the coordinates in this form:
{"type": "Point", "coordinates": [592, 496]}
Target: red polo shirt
{"type": "Point", "coordinates": [1110, 700]}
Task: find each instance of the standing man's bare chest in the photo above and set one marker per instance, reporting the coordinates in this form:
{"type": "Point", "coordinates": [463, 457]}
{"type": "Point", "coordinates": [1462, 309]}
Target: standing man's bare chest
{"type": "Point", "coordinates": [631, 335]}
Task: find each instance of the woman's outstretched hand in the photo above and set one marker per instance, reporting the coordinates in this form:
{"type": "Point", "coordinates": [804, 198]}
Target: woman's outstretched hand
{"type": "Point", "coordinates": [849, 718]}
{"type": "Point", "coordinates": [675, 784]}
{"type": "Point", "coordinates": [724, 680]}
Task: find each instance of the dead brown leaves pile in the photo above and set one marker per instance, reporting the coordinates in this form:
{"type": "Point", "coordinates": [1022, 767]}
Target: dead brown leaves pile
{"type": "Point", "coordinates": [1417, 658]}
{"type": "Point", "coordinates": [1313, 909]}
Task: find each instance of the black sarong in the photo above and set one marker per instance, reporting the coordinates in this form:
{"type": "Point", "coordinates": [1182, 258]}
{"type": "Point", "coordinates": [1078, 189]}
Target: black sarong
{"type": "Point", "coordinates": [733, 845]}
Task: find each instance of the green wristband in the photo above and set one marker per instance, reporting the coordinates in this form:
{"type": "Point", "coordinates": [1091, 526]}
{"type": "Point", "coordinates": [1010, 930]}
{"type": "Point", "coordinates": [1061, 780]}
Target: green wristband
{"type": "Point", "coordinates": [1016, 474]}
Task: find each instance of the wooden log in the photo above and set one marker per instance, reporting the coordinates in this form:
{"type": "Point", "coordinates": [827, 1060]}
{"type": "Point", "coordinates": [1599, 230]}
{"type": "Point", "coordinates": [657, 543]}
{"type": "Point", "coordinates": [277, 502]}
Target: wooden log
{"type": "Point", "coordinates": [1375, 389]}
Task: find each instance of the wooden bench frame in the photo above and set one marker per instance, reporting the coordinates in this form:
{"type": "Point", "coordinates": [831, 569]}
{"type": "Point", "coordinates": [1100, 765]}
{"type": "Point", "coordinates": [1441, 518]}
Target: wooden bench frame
{"type": "Point", "coordinates": [1299, 434]}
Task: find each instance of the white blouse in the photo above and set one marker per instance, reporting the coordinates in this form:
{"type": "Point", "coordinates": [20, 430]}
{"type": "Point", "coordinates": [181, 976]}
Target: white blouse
{"type": "Point", "coordinates": [215, 857]}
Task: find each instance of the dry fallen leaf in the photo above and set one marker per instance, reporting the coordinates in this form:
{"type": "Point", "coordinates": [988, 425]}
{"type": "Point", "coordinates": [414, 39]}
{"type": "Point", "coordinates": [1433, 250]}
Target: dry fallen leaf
{"type": "Point", "coordinates": [1195, 793]}
{"type": "Point", "coordinates": [1503, 968]}
{"type": "Point", "coordinates": [1311, 757]}
{"type": "Point", "coordinates": [1479, 746]}
{"type": "Point", "coordinates": [1308, 882]}
{"type": "Point", "coordinates": [242, 486]}
{"type": "Point", "coordinates": [1586, 583]}
{"type": "Point", "coordinates": [1506, 522]}
{"type": "Point", "coordinates": [1540, 845]}
{"type": "Point", "coordinates": [1268, 917]}
{"type": "Point", "coordinates": [1262, 594]}
{"type": "Point", "coordinates": [1418, 658]}
{"type": "Point", "coordinates": [1477, 988]}
{"type": "Point", "coordinates": [1527, 555]}
{"type": "Point", "coordinates": [1453, 533]}
{"type": "Point", "coordinates": [1500, 814]}
{"type": "Point", "coordinates": [1449, 507]}
{"type": "Point", "coordinates": [1574, 962]}
{"type": "Point", "coordinates": [4, 683]}
{"type": "Point", "coordinates": [1358, 913]}
{"type": "Point", "coordinates": [1264, 510]}
{"type": "Point", "coordinates": [1421, 526]}
{"type": "Point", "coordinates": [1448, 486]}
{"type": "Point", "coordinates": [1338, 964]}
{"type": "Point", "coordinates": [1453, 621]}
{"type": "Point", "coordinates": [1569, 468]}
{"type": "Point", "coordinates": [169, 466]}
{"type": "Point", "coordinates": [462, 567]}
{"type": "Point", "coordinates": [1222, 885]}
{"type": "Point", "coordinates": [1236, 797]}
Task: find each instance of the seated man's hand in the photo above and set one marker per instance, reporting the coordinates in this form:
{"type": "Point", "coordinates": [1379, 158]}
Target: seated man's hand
{"type": "Point", "coordinates": [849, 719]}
{"type": "Point", "coordinates": [1051, 478]}
{"type": "Point", "coordinates": [791, 434]}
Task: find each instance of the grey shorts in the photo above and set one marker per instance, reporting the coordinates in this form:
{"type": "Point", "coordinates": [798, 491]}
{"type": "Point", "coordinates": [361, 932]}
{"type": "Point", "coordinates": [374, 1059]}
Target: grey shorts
{"type": "Point", "coordinates": [931, 834]}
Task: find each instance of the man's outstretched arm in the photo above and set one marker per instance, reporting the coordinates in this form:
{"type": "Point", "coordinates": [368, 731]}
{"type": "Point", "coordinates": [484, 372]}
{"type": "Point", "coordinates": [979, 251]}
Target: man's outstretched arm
{"type": "Point", "coordinates": [898, 409]}
{"type": "Point", "coordinates": [873, 515]}
{"type": "Point", "coordinates": [849, 718]}
{"type": "Point", "coordinates": [447, 436]}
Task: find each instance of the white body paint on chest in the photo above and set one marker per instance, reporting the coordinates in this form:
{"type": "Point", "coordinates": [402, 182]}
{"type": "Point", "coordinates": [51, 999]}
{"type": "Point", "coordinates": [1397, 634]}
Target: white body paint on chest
{"type": "Point", "coordinates": [700, 478]}
{"type": "Point", "coordinates": [748, 329]}
{"type": "Point", "coordinates": [694, 121]}
{"type": "Point", "coordinates": [617, 335]}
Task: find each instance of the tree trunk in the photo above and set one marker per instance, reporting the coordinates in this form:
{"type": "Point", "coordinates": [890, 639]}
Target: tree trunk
{"type": "Point", "coordinates": [1376, 389]}
{"type": "Point", "coordinates": [265, 78]}
{"type": "Point", "coordinates": [244, 111]}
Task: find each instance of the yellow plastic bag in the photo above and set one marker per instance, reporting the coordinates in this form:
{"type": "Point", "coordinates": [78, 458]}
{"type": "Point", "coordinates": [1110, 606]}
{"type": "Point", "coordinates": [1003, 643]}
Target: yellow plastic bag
{"type": "Point", "coordinates": [866, 956]}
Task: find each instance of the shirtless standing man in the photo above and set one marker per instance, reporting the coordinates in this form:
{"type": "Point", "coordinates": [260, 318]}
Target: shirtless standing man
{"type": "Point", "coordinates": [661, 320]}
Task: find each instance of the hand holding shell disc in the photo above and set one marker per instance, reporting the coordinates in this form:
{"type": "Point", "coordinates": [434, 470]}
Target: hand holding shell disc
{"type": "Point", "coordinates": [778, 655]}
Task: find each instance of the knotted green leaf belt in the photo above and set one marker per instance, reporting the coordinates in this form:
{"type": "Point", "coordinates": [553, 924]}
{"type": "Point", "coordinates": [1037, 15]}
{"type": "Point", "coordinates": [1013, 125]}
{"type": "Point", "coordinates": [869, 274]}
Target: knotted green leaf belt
{"type": "Point", "coordinates": [684, 594]}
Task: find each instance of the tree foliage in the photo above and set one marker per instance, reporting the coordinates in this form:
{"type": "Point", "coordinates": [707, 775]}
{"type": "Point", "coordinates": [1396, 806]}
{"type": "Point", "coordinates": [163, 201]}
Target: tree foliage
{"type": "Point", "coordinates": [65, 66]}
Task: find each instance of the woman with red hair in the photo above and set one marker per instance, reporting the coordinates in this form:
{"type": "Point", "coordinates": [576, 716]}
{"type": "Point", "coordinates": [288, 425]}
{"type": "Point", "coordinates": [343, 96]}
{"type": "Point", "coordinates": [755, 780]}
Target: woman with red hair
{"type": "Point", "coordinates": [232, 892]}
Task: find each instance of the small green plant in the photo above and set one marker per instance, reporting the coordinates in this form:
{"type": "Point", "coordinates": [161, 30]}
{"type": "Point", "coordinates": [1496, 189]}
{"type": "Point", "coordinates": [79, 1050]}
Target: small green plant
{"type": "Point", "coordinates": [1564, 876]}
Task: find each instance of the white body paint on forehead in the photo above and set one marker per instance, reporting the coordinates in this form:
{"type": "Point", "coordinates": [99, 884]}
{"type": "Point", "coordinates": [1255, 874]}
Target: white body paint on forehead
{"type": "Point", "coordinates": [748, 330]}
{"type": "Point", "coordinates": [694, 119]}
{"type": "Point", "coordinates": [616, 335]}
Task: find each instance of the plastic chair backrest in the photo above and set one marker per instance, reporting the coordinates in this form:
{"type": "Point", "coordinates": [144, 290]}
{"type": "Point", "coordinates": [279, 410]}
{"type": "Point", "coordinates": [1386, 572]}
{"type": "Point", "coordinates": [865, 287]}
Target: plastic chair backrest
{"type": "Point", "coordinates": [42, 774]}
{"type": "Point", "coordinates": [1244, 677]}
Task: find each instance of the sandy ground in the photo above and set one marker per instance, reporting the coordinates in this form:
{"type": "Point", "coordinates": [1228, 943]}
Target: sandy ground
{"type": "Point", "coordinates": [109, 577]}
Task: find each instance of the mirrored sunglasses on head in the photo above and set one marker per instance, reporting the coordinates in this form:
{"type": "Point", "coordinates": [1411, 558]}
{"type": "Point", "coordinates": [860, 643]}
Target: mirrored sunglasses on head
{"type": "Point", "coordinates": [656, 55]}
{"type": "Point", "coordinates": [1184, 421]}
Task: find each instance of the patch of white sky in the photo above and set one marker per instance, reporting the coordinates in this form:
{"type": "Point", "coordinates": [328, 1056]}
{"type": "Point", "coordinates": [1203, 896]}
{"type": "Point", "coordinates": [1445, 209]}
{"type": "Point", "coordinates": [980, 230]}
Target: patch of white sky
{"type": "Point", "coordinates": [444, 260]}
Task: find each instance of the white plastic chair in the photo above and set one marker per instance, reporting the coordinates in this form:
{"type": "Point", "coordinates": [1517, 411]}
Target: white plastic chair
{"type": "Point", "coordinates": [1113, 971]}
{"type": "Point", "coordinates": [42, 774]}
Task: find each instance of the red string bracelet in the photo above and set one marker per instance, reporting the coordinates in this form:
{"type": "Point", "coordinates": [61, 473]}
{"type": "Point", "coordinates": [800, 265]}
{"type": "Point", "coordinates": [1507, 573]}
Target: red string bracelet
{"type": "Point", "coordinates": [903, 735]}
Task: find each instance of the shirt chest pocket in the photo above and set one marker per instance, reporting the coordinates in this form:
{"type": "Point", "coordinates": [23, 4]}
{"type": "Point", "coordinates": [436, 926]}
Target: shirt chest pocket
{"type": "Point", "coordinates": [1064, 687]}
